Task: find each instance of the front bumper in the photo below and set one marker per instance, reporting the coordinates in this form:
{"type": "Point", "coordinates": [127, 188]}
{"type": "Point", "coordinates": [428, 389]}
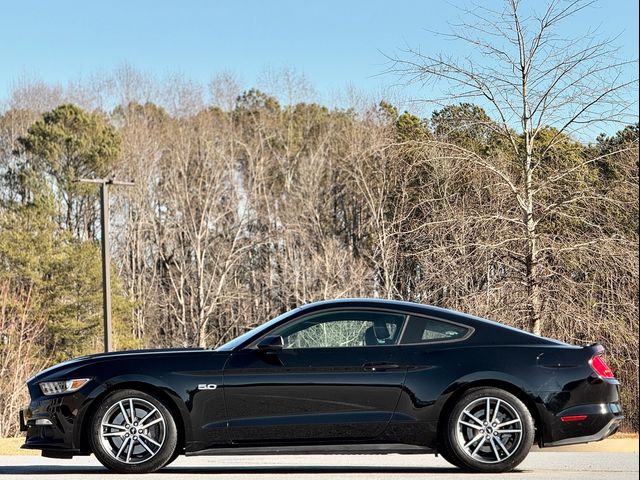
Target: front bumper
{"type": "Point", "coordinates": [23, 423]}
{"type": "Point", "coordinates": [52, 425]}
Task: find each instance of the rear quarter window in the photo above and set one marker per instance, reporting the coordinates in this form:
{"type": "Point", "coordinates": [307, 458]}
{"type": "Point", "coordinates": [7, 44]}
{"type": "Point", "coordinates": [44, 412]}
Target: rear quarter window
{"type": "Point", "coordinates": [429, 330]}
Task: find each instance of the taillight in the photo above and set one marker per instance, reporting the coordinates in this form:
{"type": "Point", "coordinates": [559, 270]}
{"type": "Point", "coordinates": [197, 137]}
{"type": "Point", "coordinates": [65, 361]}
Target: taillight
{"type": "Point", "coordinates": [601, 368]}
{"type": "Point", "coordinates": [573, 418]}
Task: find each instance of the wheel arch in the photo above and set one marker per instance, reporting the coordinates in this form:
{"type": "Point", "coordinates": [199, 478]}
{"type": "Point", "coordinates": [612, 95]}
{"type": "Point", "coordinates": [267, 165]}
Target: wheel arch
{"type": "Point", "coordinates": [492, 383]}
{"type": "Point", "coordinates": [149, 388]}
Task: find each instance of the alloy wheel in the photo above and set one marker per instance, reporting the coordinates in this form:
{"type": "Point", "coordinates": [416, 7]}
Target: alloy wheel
{"type": "Point", "coordinates": [133, 430]}
{"type": "Point", "coordinates": [489, 430]}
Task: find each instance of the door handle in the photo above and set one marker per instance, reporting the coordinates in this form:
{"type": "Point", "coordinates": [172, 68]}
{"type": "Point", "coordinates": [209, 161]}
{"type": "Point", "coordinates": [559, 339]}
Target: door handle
{"type": "Point", "coordinates": [380, 367]}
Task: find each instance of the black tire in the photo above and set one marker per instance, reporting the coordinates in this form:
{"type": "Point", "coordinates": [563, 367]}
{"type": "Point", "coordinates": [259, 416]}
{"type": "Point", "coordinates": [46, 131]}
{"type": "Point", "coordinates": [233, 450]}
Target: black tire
{"type": "Point", "coordinates": [123, 445]}
{"type": "Point", "coordinates": [444, 453]}
{"type": "Point", "coordinates": [497, 448]}
{"type": "Point", "coordinates": [175, 455]}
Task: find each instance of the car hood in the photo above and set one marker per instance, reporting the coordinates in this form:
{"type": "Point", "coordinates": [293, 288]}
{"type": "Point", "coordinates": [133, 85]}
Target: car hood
{"type": "Point", "coordinates": [69, 365]}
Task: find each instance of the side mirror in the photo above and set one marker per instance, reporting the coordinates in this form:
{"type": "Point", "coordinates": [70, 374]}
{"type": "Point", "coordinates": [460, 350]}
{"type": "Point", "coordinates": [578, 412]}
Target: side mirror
{"type": "Point", "coordinates": [271, 344]}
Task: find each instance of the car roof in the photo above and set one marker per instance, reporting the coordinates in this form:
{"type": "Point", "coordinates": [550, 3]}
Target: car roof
{"type": "Point", "coordinates": [390, 304]}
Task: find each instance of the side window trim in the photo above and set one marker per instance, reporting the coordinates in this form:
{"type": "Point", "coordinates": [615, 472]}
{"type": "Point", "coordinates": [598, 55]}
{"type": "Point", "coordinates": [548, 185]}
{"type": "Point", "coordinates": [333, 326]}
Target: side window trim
{"type": "Point", "coordinates": [405, 320]}
{"type": "Point", "coordinates": [470, 330]}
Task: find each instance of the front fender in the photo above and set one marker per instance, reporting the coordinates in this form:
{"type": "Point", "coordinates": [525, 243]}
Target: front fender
{"type": "Point", "coordinates": [149, 384]}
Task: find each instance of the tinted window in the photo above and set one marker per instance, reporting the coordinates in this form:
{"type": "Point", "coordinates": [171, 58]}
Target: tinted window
{"type": "Point", "coordinates": [342, 329]}
{"type": "Point", "coordinates": [425, 330]}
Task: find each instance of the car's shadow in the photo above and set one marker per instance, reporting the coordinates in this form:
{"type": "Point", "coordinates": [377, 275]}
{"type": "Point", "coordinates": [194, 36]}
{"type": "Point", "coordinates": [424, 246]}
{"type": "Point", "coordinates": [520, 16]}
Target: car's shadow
{"type": "Point", "coordinates": [240, 469]}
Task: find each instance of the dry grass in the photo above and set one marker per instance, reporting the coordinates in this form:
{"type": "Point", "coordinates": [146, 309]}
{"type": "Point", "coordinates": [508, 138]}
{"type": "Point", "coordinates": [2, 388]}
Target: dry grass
{"type": "Point", "coordinates": [11, 446]}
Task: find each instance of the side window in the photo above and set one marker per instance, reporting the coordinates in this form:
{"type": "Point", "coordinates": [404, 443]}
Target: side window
{"type": "Point", "coordinates": [425, 330]}
{"type": "Point", "coordinates": [349, 328]}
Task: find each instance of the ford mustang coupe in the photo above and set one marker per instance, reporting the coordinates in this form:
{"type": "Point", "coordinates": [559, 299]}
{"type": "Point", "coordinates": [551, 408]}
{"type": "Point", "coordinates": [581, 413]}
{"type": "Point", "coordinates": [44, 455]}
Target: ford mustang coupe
{"type": "Point", "coordinates": [347, 376]}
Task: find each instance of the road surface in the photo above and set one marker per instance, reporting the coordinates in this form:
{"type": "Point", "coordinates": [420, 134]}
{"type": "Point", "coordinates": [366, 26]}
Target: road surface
{"type": "Point", "coordinates": [538, 465]}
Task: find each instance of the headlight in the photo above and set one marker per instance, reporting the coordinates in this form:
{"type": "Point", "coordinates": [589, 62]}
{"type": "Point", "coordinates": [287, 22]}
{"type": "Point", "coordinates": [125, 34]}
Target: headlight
{"type": "Point", "coordinates": [62, 386]}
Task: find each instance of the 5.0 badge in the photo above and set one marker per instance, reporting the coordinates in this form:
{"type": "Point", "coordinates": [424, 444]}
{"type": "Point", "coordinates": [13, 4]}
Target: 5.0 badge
{"type": "Point", "coordinates": [207, 386]}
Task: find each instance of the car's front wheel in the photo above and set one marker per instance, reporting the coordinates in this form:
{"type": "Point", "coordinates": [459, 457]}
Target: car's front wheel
{"type": "Point", "coordinates": [133, 432]}
{"type": "Point", "coordinates": [489, 430]}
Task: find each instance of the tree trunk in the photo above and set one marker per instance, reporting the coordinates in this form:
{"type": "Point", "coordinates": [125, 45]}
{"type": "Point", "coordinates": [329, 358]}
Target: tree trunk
{"type": "Point", "coordinates": [531, 255]}
{"type": "Point", "coordinates": [532, 282]}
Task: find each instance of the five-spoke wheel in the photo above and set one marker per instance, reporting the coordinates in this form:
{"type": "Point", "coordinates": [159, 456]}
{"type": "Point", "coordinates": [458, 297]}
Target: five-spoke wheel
{"type": "Point", "coordinates": [488, 430]}
{"type": "Point", "coordinates": [133, 432]}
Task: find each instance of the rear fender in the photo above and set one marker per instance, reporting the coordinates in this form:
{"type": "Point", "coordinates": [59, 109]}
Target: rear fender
{"type": "Point", "coordinates": [489, 379]}
{"type": "Point", "coordinates": [493, 379]}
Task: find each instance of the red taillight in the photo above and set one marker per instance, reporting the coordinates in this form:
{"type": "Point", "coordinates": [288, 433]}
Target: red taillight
{"type": "Point", "coordinates": [573, 418]}
{"type": "Point", "coordinates": [601, 368]}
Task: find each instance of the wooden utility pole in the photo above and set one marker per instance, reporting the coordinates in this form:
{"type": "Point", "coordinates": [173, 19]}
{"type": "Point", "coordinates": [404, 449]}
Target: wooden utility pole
{"type": "Point", "coordinates": [106, 253]}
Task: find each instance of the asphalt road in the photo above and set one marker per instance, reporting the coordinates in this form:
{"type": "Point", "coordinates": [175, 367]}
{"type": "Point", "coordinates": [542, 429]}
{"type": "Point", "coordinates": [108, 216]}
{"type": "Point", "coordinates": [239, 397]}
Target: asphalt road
{"type": "Point", "coordinates": [538, 465]}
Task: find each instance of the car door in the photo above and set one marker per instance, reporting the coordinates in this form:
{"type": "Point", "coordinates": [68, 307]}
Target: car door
{"type": "Point", "coordinates": [338, 377]}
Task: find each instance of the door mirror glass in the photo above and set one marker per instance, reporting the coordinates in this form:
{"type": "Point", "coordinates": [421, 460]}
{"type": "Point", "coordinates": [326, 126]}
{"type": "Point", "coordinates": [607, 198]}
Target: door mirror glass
{"type": "Point", "coordinates": [271, 344]}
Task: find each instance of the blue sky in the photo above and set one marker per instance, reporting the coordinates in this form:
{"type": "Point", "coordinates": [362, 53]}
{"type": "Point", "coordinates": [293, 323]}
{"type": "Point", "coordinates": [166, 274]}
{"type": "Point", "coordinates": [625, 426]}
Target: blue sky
{"type": "Point", "coordinates": [334, 43]}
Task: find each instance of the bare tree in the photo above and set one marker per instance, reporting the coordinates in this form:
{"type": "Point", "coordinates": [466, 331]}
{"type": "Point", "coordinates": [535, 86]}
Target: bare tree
{"type": "Point", "coordinates": [20, 332]}
{"type": "Point", "coordinates": [144, 132]}
{"type": "Point", "coordinates": [199, 225]}
{"type": "Point", "coordinates": [542, 89]}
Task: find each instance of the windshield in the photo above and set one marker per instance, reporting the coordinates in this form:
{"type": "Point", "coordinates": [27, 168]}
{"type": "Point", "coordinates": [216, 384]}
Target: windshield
{"type": "Point", "coordinates": [233, 344]}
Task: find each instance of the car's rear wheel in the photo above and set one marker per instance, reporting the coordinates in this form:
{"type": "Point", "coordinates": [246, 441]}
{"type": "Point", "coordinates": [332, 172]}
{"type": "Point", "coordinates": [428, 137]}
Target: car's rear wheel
{"type": "Point", "coordinates": [488, 430]}
{"type": "Point", "coordinates": [133, 432]}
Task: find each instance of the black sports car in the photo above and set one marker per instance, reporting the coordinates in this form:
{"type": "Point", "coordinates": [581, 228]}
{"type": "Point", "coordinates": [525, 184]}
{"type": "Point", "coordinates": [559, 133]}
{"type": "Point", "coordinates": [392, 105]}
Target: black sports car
{"type": "Point", "coordinates": [348, 376]}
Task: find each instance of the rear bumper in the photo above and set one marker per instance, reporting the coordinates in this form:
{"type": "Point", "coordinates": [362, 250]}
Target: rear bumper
{"type": "Point", "coordinates": [601, 421]}
{"type": "Point", "coordinates": [609, 429]}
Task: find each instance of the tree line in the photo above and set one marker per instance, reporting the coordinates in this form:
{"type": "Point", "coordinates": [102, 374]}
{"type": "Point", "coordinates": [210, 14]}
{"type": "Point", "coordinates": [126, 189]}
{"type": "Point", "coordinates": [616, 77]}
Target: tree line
{"type": "Point", "coordinates": [247, 204]}
{"type": "Point", "coordinates": [239, 215]}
